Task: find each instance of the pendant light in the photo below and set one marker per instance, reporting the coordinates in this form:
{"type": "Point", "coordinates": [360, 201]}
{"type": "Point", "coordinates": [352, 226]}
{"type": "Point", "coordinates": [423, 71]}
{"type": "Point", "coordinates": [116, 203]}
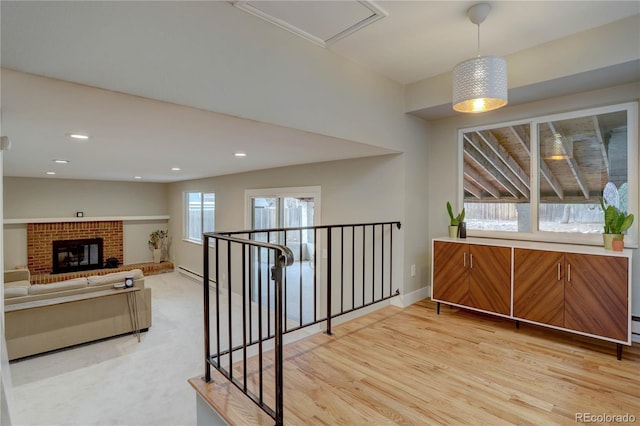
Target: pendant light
{"type": "Point", "coordinates": [480, 83]}
{"type": "Point", "coordinates": [558, 148]}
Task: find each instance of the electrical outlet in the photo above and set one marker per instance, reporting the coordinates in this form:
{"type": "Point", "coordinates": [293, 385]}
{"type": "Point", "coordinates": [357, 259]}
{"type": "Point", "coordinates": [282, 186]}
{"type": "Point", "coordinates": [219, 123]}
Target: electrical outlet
{"type": "Point", "coordinates": [413, 270]}
{"type": "Point", "coordinates": [224, 277]}
{"type": "Point", "coordinates": [324, 253]}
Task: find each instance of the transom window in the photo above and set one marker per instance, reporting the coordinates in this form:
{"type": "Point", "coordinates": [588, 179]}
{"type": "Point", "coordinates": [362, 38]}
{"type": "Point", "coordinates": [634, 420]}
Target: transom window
{"type": "Point", "coordinates": [199, 215]}
{"type": "Point", "coordinates": [542, 179]}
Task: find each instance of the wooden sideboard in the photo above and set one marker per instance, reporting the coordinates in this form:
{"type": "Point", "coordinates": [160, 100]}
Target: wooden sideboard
{"type": "Point", "coordinates": [580, 289]}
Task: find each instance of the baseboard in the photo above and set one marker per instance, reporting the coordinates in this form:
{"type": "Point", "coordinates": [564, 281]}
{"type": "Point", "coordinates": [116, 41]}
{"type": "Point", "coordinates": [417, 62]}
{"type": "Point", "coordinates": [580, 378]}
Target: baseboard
{"type": "Point", "coordinates": [194, 276]}
{"type": "Point", "coordinates": [635, 329]}
{"type": "Point", "coordinates": [189, 273]}
{"type": "Point", "coordinates": [405, 300]}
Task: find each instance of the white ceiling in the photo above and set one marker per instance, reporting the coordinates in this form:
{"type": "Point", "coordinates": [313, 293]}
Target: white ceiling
{"type": "Point", "coordinates": [421, 39]}
{"type": "Point", "coordinates": [79, 41]}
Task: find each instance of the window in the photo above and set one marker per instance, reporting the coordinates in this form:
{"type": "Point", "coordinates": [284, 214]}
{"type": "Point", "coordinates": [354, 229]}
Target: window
{"type": "Point", "coordinates": [199, 214]}
{"type": "Point", "coordinates": [542, 179]}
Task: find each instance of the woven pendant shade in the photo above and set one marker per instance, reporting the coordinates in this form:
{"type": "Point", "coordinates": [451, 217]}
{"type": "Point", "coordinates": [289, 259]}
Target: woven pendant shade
{"type": "Point", "coordinates": [559, 148]}
{"type": "Point", "coordinates": [480, 84]}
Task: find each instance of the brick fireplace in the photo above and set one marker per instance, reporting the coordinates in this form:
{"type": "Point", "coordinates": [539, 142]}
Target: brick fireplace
{"type": "Point", "coordinates": [40, 238]}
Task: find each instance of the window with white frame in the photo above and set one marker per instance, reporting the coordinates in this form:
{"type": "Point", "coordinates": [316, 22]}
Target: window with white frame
{"type": "Point", "coordinates": [199, 214]}
{"type": "Point", "coordinates": [542, 179]}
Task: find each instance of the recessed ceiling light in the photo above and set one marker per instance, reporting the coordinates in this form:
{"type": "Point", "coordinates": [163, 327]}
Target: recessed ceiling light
{"type": "Point", "coordinates": [137, 177]}
{"type": "Point", "coordinates": [175, 169]}
{"type": "Point", "coordinates": [240, 154]}
{"type": "Point", "coordinates": [78, 136]}
{"type": "Point", "coordinates": [61, 161]}
{"type": "Point", "coordinates": [50, 173]}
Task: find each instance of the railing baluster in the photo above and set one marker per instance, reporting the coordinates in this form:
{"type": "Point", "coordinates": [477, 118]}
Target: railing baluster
{"type": "Point", "coordinates": [364, 249]}
{"type": "Point", "coordinates": [260, 335]}
{"type": "Point", "coordinates": [342, 269]}
{"type": "Point", "coordinates": [284, 279]}
{"type": "Point", "coordinates": [279, 382]}
{"type": "Point", "coordinates": [391, 260]}
{"type": "Point", "coordinates": [218, 304]}
{"type": "Point", "coordinates": [230, 311]}
{"type": "Point", "coordinates": [382, 262]}
{"type": "Point", "coordinates": [268, 290]}
{"type": "Point", "coordinates": [244, 317]}
{"type": "Point", "coordinates": [315, 275]}
{"type": "Point", "coordinates": [207, 317]}
{"type": "Point", "coordinates": [373, 262]}
{"type": "Point", "coordinates": [252, 259]}
{"type": "Point", "coordinates": [329, 262]}
{"type": "Point", "coordinates": [300, 269]}
{"type": "Point", "coordinates": [353, 267]}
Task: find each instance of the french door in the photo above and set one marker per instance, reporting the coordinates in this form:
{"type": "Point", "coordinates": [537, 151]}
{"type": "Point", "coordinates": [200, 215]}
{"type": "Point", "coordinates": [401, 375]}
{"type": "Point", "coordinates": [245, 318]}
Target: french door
{"type": "Point", "coordinates": [283, 210]}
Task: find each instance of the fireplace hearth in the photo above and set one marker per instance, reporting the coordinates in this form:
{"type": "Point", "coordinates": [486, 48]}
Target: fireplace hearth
{"type": "Point", "coordinates": [77, 255]}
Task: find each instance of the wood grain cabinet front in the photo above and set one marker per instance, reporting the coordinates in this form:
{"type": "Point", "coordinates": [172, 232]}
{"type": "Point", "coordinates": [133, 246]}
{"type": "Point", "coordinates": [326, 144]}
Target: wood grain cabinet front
{"type": "Point", "coordinates": [581, 292]}
{"type": "Point", "coordinates": [473, 275]}
{"type": "Point", "coordinates": [538, 290]}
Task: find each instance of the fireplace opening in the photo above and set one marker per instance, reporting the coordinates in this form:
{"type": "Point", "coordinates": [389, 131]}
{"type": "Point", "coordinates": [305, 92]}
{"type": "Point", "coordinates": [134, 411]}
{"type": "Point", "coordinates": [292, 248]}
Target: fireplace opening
{"type": "Point", "coordinates": [77, 255]}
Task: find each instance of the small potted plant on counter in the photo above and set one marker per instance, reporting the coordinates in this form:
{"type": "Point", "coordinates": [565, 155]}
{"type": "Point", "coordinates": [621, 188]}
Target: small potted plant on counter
{"type": "Point", "coordinates": [455, 221]}
{"type": "Point", "coordinates": [615, 223]}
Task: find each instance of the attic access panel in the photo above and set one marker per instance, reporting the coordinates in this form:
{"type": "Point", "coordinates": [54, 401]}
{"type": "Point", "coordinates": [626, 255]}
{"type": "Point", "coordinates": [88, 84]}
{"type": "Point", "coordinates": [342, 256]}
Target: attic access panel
{"type": "Point", "coordinates": [321, 22]}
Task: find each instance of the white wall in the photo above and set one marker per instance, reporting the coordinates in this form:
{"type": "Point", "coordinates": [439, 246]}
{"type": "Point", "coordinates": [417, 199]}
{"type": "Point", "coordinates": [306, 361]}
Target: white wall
{"type": "Point", "coordinates": [443, 159]}
{"type": "Point", "coordinates": [58, 199]}
{"type": "Point", "coordinates": [353, 191]}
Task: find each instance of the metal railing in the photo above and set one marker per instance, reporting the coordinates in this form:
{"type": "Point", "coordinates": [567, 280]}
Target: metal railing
{"type": "Point", "coordinates": [275, 281]}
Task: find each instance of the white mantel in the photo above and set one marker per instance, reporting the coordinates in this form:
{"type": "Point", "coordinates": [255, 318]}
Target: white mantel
{"type": "Point", "coordinates": [83, 219]}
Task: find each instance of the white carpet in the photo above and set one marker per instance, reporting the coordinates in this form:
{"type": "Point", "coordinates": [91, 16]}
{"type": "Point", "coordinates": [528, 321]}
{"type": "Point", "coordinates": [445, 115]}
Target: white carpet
{"type": "Point", "coordinates": [120, 381]}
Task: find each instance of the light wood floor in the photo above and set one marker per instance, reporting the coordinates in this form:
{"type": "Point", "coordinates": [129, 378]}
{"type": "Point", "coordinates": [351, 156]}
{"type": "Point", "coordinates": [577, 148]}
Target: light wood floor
{"type": "Point", "coordinates": [411, 366]}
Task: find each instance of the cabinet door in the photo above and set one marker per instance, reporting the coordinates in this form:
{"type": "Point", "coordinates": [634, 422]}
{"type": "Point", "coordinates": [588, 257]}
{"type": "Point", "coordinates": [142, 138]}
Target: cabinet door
{"type": "Point", "coordinates": [450, 272]}
{"type": "Point", "coordinates": [490, 278]}
{"type": "Point", "coordinates": [596, 299]}
{"type": "Point", "coordinates": [538, 286]}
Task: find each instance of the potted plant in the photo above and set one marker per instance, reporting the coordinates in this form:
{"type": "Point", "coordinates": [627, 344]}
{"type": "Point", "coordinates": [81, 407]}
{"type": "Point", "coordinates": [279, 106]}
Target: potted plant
{"type": "Point", "coordinates": [156, 243]}
{"type": "Point", "coordinates": [454, 221]}
{"type": "Point", "coordinates": [615, 223]}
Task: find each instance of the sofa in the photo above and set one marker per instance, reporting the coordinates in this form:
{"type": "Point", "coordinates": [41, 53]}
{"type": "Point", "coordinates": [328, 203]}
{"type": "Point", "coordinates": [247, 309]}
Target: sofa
{"type": "Point", "coordinates": [45, 317]}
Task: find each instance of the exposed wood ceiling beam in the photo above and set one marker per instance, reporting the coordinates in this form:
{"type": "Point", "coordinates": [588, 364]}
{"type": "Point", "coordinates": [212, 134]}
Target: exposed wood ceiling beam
{"type": "Point", "coordinates": [551, 179]}
{"type": "Point", "coordinates": [475, 177]}
{"type": "Point", "coordinates": [572, 165]}
{"type": "Point", "coordinates": [603, 148]}
{"type": "Point", "coordinates": [481, 162]}
{"type": "Point", "coordinates": [495, 145]}
{"type": "Point", "coordinates": [472, 189]}
{"type": "Point", "coordinates": [522, 137]}
{"type": "Point", "coordinates": [498, 164]}
{"type": "Point", "coordinates": [546, 173]}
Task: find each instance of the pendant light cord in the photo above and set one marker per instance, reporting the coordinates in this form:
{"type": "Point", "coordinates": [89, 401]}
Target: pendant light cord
{"type": "Point", "coordinates": [478, 54]}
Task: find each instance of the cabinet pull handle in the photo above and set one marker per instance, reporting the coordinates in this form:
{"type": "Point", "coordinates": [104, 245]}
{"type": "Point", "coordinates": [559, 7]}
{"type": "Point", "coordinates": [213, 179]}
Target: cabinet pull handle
{"type": "Point", "coordinates": [471, 261]}
{"type": "Point", "coordinates": [558, 272]}
{"type": "Point", "coordinates": [569, 272]}
{"type": "Point", "coordinates": [464, 260]}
